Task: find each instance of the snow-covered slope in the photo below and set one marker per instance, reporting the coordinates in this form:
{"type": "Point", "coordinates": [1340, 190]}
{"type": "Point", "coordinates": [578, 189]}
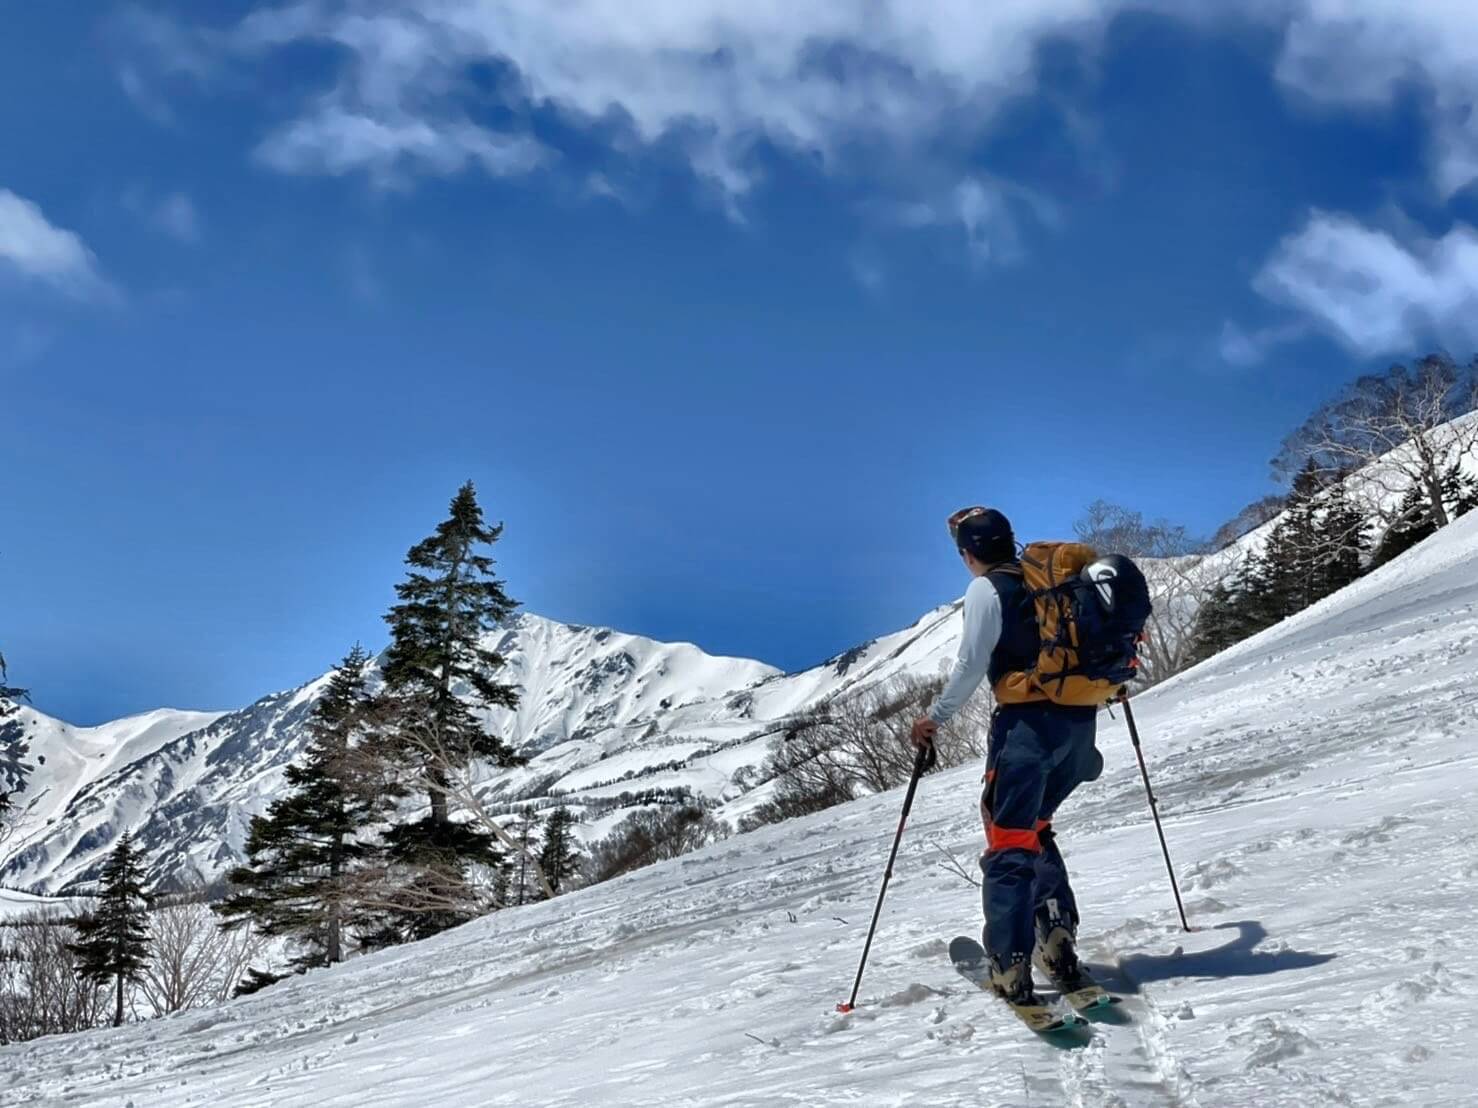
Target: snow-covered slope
{"type": "Point", "coordinates": [1316, 784]}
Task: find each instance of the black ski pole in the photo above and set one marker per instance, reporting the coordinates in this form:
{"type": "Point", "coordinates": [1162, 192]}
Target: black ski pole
{"type": "Point", "coordinates": [1154, 809]}
{"type": "Point", "coordinates": [913, 784]}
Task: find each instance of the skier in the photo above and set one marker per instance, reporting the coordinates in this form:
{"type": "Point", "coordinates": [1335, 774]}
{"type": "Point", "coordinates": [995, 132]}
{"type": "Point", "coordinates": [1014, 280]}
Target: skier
{"type": "Point", "coordinates": [1038, 753]}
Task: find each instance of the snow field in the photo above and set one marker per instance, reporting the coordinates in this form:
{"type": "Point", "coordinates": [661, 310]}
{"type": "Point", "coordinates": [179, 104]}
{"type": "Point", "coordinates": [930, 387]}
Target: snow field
{"type": "Point", "coordinates": [1316, 784]}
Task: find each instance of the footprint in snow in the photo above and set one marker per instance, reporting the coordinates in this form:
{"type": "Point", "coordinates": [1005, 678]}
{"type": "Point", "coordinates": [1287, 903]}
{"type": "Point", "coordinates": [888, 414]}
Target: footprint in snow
{"type": "Point", "coordinates": [912, 995]}
{"type": "Point", "coordinates": [1208, 875]}
{"type": "Point", "coordinates": [934, 948]}
{"type": "Point", "coordinates": [1271, 1043]}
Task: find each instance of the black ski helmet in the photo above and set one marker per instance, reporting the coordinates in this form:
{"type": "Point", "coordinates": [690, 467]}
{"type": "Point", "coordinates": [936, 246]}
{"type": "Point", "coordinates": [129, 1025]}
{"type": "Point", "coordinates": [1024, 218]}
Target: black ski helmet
{"type": "Point", "coordinates": [984, 533]}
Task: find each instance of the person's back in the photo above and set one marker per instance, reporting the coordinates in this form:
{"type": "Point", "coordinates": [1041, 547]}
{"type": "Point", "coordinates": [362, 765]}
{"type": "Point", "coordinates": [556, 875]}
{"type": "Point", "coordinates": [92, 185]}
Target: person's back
{"type": "Point", "coordinates": [1039, 752]}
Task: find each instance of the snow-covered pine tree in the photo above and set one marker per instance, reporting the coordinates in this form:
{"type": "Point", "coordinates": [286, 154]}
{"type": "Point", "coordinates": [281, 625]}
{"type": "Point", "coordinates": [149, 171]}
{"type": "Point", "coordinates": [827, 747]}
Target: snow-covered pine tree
{"type": "Point", "coordinates": [113, 939]}
{"type": "Point", "coordinates": [437, 672]}
{"type": "Point", "coordinates": [560, 855]}
{"type": "Point", "coordinates": [304, 856]}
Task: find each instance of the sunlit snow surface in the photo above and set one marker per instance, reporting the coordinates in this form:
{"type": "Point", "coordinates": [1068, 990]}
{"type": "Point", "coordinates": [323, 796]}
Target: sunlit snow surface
{"type": "Point", "coordinates": [1318, 787]}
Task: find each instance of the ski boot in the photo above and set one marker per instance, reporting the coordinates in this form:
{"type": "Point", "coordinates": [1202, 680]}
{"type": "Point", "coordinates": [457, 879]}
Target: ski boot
{"type": "Point", "coordinates": [1056, 956]}
{"type": "Point", "coordinates": [1013, 984]}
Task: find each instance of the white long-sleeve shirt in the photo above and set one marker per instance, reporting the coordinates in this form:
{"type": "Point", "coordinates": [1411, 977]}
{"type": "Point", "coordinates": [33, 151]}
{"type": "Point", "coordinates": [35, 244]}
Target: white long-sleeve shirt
{"type": "Point", "coordinates": [977, 642]}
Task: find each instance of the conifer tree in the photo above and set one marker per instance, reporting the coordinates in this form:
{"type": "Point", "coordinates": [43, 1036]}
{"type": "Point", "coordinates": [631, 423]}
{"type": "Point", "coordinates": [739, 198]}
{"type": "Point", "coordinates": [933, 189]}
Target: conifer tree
{"type": "Point", "coordinates": [526, 832]}
{"type": "Point", "coordinates": [1291, 558]}
{"type": "Point", "coordinates": [1460, 490]}
{"type": "Point", "coordinates": [1260, 594]}
{"type": "Point", "coordinates": [1413, 524]}
{"type": "Point", "coordinates": [560, 855]}
{"type": "Point", "coordinates": [1215, 628]}
{"type": "Point", "coordinates": [438, 673]}
{"type": "Point", "coordinates": [113, 939]}
{"type": "Point", "coordinates": [1343, 543]}
{"type": "Point", "coordinates": [304, 854]}
{"type": "Point", "coordinates": [1414, 518]}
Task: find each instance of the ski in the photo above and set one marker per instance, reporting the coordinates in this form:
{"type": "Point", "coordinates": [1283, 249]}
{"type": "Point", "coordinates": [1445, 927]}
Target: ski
{"type": "Point", "coordinates": [1091, 998]}
{"type": "Point", "coordinates": [971, 963]}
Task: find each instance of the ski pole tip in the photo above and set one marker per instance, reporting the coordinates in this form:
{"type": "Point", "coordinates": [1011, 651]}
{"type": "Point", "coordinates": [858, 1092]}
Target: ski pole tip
{"type": "Point", "coordinates": [844, 1008]}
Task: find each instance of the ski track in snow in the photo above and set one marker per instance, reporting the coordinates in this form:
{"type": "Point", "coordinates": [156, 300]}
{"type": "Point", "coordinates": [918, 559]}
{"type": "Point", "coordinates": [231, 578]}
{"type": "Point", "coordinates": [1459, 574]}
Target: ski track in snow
{"type": "Point", "coordinates": [1316, 784]}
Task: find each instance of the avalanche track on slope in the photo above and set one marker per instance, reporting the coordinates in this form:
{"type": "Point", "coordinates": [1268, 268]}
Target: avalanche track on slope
{"type": "Point", "coordinates": [1316, 783]}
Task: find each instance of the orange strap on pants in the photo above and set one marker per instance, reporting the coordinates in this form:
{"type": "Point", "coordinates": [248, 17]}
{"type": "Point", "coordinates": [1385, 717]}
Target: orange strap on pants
{"type": "Point", "coordinates": [1008, 838]}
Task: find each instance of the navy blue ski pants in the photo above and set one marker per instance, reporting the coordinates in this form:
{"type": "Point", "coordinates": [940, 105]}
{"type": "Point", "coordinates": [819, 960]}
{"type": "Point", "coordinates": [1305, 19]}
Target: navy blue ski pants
{"type": "Point", "coordinates": [1039, 753]}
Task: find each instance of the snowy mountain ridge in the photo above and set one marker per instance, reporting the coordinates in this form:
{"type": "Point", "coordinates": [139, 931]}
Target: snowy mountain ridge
{"type": "Point", "coordinates": [602, 712]}
{"type": "Point", "coordinates": [186, 783]}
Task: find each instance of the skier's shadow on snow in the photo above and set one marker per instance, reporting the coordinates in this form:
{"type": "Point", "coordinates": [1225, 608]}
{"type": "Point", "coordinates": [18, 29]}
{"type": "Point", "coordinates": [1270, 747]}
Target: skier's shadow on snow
{"type": "Point", "coordinates": [1236, 958]}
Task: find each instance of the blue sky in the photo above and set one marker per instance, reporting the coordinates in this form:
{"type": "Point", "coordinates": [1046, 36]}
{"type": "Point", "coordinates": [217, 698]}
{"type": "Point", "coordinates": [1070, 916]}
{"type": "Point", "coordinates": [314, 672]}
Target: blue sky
{"type": "Point", "coordinates": [724, 307]}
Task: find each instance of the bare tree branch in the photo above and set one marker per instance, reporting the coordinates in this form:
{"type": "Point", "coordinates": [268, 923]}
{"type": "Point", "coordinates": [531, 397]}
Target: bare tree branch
{"type": "Point", "coordinates": [441, 767]}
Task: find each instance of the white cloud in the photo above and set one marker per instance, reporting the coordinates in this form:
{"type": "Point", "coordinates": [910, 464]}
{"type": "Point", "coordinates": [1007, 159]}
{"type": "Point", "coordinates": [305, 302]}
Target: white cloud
{"type": "Point", "coordinates": [335, 140]}
{"type": "Point", "coordinates": [892, 92]}
{"type": "Point", "coordinates": [1369, 53]}
{"type": "Point", "coordinates": [1243, 348]}
{"type": "Point", "coordinates": [895, 94]}
{"type": "Point", "coordinates": [1373, 292]}
{"type": "Point", "coordinates": [32, 246]}
{"type": "Point", "coordinates": [714, 77]}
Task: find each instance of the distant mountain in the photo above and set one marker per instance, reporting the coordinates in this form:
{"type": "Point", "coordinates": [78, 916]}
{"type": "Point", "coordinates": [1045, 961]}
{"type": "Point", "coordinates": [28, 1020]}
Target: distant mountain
{"type": "Point", "coordinates": [602, 713]}
{"type": "Point", "coordinates": [187, 783]}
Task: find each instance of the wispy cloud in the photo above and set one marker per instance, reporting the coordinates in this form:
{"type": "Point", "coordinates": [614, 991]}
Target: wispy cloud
{"type": "Point", "coordinates": [33, 247]}
{"type": "Point", "coordinates": [890, 92]}
{"type": "Point", "coordinates": [335, 140]}
{"type": "Point", "coordinates": [1246, 347]}
{"type": "Point", "coordinates": [173, 214]}
{"type": "Point", "coordinates": [361, 277]}
{"type": "Point", "coordinates": [177, 216]}
{"type": "Point", "coordinates": [894, 94]}
{"type": "Point", "coordinates": [1372, 53]}
{"type": "Point", "coordinates": [1374, 292]}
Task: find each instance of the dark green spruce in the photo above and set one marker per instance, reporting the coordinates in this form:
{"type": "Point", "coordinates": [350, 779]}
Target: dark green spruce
{"type": "Point", "coordinates": [304, 858]}
{"type": "Point", "coordinates": [1414, 519]}
{"type": "Point", "coordinates": [1317, 547]}
{"type": "Point", "coordinates": [113, 939]}
{"type": "Point", "coordinates": [560, 856]}
{"type": "Point", "coordinates": [439, 675]}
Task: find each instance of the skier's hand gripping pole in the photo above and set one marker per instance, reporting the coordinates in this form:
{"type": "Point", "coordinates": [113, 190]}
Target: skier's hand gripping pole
{"type": "Point", "coordinates": [921, 764]}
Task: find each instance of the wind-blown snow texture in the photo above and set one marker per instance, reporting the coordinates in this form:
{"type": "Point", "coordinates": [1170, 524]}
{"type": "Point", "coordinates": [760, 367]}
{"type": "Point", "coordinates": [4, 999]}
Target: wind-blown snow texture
{"type": "Point", "coordinates": [1316, 783]}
